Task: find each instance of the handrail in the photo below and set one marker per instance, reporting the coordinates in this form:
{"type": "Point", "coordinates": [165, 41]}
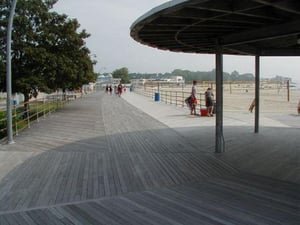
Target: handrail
{"type": "Point", "coordinates": [173, 97]}
{"type": "Point", "coordinates": [238, 96]}
{"type": "Point", "coordinates": [27, 113]}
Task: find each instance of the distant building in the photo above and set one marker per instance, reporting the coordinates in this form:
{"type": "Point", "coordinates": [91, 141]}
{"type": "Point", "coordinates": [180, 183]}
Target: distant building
{"type": "Point", "coordinates": [171, 79]}
{"type": "Point", "coordinates": [138, 82]}
{"type": "Point", "coordinates": [177, 79]}
{"type": "Point", "coordinates": [102, 79]}
{"type": "Point", "coordinates": [87, 88]}
{"type": "Point", "coordinates": [116, 81]}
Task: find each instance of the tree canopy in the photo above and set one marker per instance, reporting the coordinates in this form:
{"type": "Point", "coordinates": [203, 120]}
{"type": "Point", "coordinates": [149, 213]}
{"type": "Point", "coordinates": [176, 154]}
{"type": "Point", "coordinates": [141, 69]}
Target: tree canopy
{"type": "Point", "coordinates": [48, 51]}
{"type": "Point", "coordinates": [121, 73]}
{"type": "Point", "coordinates": [189, 76]}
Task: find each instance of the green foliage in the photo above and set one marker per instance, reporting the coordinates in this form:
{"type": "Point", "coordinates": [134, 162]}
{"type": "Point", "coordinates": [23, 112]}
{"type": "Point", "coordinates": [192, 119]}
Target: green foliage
{"type": "Point", "coordinates": [21, 115]}
{"type": "Point", "coordinates": [47, 50]}
{"type": "Point", "coordinates": [123, 74]}
{"type": "Point", "coordinates": [189, 76]}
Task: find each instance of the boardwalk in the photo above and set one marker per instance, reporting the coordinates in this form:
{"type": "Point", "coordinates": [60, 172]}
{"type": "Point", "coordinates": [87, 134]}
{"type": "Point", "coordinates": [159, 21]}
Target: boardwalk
{"type": "Point", "coordinates": [100, 160]}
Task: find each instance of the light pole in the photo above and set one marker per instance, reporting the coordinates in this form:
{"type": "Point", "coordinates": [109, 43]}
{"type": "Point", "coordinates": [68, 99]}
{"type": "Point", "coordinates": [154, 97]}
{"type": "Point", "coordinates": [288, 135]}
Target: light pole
{"type": "Point", "coordinates": [8, 73]}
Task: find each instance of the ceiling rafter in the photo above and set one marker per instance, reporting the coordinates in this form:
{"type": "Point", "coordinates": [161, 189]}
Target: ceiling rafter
{"type": "Point", "coordinates": [264, 33]}
{"type": "Point", "coordinates": [286, 5]}
{"type": "Point", "coordinates": [243, 12]}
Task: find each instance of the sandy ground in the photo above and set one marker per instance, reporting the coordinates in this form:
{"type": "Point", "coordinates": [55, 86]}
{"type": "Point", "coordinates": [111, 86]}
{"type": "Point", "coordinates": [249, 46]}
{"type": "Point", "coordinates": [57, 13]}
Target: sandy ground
{"type": "Point", "coordinates": [271, 100]}
{"type": "Point", "coordinates": [240, 96]}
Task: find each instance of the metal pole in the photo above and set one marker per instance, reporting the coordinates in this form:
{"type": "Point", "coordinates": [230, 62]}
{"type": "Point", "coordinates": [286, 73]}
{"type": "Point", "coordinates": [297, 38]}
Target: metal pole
{"type": "Point", "coordinates": [257, 95]}
{"type": "Point", "coordinates": [182, 96]}
{"type": "Point", "coordinates": [8, 74]}
{"type": "Point", "coordinates": [288, 90]}
{"type": "Point", "coordinates": [219, 148]}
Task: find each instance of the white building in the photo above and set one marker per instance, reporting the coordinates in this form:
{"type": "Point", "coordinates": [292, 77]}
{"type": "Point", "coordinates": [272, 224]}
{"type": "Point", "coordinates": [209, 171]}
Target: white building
{"type": "Point", "coordinates": [138, 82]}
{"type": "Point", "coordinates": [177, 79]}
{"type": "Point", "coordinates": [104, 79]}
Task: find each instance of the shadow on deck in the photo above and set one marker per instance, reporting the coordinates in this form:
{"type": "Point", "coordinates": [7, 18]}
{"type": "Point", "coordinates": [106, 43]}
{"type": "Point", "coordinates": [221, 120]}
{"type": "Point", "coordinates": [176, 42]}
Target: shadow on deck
{"type": "Point", "coordinates": [102, 161]}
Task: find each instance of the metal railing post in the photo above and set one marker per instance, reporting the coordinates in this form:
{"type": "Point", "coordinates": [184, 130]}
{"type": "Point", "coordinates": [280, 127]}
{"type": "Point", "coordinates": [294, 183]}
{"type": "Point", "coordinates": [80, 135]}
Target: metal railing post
{"type": "Point", "coordinates": [48, 103]}
{"type": "Point", "coordinates": [28, 115]}
{"type": "Point", "coordinates": [182, 98]}
{"type": "Point", "coordinates": [16, 122]}
{"type": "Point", "coordinates": [44, 108]}
{"type": "Point", "coordinates": [56, 101]}
{"type": "Point", "coordinates": [37, 110]}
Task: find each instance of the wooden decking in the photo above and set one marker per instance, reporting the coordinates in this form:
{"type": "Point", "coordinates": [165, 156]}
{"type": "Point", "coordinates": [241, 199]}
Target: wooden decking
{"type": "Point", "coordinates": [102, 161]}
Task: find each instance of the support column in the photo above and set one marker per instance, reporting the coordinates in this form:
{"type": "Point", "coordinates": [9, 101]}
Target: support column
{"type": "Point", "coordinates": [220, 147]}
{"type": "Point", "coordinates": [257, 95]}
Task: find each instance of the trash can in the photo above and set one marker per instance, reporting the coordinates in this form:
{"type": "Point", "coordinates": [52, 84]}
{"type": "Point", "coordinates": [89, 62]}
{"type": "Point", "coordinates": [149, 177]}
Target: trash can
{"type": "Point", "coordinates": [156, 97]}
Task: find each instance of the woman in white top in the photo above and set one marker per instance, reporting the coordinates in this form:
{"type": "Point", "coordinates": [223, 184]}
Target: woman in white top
{"type": "Point", "coordinates": [194, 99]}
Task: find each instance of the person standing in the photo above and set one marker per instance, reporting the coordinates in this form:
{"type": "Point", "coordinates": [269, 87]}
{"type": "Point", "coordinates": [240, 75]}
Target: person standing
{"type": "Point", "coordinates": [110, 89]}
{"type": "Point", "coordinates": [209, 101]}
{"type": "Point", "coordinates": [194, 98]}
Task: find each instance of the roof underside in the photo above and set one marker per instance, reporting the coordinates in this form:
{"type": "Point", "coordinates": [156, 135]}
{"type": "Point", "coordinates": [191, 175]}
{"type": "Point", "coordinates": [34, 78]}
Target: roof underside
{"type": "Point", "coordinates": [241, 27]}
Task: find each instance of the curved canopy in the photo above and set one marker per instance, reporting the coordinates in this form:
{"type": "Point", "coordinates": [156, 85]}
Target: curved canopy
{"type": "Point", "coordinates": [241, 27]}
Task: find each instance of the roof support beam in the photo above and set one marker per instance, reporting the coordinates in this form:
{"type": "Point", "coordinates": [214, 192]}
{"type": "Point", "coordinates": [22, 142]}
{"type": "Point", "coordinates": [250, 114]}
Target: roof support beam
{"type": "Point", "coordinates": [257, 94]}
{"type": "Point", "coordinates": [220, 143]}
{"type": "Point", "coordinates": [280, 52]}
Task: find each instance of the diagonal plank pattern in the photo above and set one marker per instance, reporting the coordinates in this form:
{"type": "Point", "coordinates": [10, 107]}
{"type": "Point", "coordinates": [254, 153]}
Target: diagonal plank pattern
{"type": "Point", "coordinates": [239, 199]}
{"type": "Point", "coordinates": [90, 151]}
{"type": "Point", "coordinates": [102, 161]}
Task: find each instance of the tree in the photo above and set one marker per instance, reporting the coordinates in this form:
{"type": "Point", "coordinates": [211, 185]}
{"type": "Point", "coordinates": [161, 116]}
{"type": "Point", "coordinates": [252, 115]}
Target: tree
{"type": "Point", "coordinates": [123, 74]}
{"type": "Point", "coordinates": [189, 76]}
{"type": "Point", "coordinates": [47, 51]}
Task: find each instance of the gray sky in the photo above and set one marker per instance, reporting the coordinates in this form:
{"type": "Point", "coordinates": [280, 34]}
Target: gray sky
{"type": "Point", "coordinates": [109, 21]}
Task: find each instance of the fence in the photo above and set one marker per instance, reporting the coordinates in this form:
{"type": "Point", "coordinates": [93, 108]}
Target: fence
{"type": "Point", "coordinates": [173, 97]}
{"type": "Point", "coordinates": [238, 96]}
{"type": "Point", "coordinates": [25, 114]}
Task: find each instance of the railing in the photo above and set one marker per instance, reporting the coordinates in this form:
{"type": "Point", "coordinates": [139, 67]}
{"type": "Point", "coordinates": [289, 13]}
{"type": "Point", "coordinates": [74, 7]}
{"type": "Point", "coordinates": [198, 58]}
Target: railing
{"type": "Point", "coordinates": [24, 115]}
{"type": "Point", "coordinates": [173, 97]}
{"type": "Point", "coordinates": [237, 96]}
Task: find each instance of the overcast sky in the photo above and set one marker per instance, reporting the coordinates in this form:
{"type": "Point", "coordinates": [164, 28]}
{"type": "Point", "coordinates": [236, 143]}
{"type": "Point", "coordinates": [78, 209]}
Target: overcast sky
{"type": "Point", "coordinates": [109, 21]}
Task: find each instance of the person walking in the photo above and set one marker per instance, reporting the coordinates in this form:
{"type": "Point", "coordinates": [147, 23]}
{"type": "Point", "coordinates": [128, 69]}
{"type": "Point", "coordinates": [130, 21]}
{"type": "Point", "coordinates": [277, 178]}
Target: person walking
{"type": "Point", "coordinates": [252, 106]}
{"type": "Point", "coordinates": [120, 88]}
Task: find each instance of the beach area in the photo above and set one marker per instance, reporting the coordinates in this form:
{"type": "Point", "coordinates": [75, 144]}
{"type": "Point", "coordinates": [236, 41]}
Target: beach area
{"type": "Point", "coordinates": [274, 98]}
{"type": "Point", "coordinates": [271, 99]}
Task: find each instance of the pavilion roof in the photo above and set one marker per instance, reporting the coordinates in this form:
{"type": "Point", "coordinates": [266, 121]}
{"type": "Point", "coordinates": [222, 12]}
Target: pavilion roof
{"type": "Point", "coordinates": [241, 27]}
